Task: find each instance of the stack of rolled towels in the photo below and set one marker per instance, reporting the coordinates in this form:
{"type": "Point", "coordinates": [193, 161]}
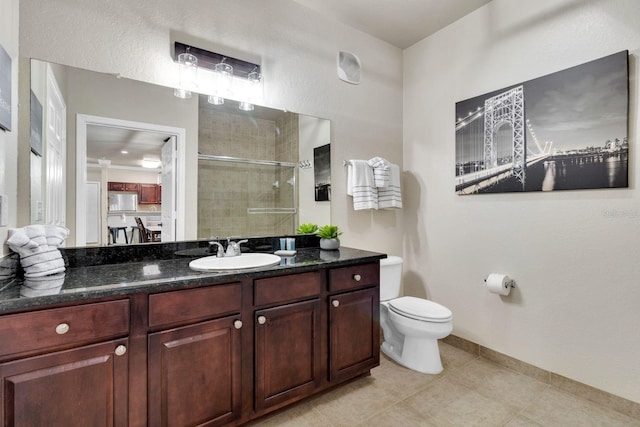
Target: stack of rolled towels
{"type": "Point", "coordinates": [38, 246]}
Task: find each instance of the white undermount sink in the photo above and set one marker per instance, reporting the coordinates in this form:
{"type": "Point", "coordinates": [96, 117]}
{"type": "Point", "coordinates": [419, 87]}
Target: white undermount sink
{"type": "Point", "coordinates": [241, 262]}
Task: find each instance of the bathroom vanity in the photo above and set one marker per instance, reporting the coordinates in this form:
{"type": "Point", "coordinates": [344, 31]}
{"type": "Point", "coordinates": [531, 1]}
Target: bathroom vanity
{"type": "Point", "coordinates": [153, 343]}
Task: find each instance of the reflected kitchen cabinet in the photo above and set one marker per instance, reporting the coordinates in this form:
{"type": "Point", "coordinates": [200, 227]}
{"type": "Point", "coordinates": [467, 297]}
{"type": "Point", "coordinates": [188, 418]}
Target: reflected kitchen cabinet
{"type": "Point", "coordinates": [149, 194]}
{"type": "Point", "coordinates": [123, 186]}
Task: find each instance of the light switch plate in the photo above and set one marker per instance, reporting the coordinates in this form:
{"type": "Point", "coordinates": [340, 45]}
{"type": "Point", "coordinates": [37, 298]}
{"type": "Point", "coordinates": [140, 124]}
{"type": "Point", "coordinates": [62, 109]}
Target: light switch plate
{"type": "Point", "coordinates": [4, 210]}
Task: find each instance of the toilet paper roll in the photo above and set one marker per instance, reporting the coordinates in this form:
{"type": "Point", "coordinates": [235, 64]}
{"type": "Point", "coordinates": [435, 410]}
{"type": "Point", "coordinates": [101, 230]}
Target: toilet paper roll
{"type": "Point", "coordinates": [499, 284]}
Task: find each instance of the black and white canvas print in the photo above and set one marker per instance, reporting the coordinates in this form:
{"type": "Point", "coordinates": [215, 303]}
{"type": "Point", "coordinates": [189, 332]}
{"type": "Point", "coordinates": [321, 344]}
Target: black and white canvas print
{"type": "Point", "coordinates": [36, 125]}
{"type": "Point", "coordinates": [564, 131]}
{"type": "Point", "coordinates": [322, 172]}
{"type": "Point", "coordinates": [5, 90]}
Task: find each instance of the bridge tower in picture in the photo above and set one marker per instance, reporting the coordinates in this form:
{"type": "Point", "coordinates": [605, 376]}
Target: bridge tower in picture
{"type": "Point", "coordinates": [506, 108]}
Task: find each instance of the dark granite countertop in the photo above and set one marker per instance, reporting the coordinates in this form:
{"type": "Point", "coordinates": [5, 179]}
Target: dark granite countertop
{"type": "Point", "coordinates": [93, 280]}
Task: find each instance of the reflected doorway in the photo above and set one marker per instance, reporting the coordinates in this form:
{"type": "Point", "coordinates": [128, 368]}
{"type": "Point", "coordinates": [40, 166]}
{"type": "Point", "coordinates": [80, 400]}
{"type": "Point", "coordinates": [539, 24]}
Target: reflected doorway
{"type": "Point", "coordinates": [112, 150]}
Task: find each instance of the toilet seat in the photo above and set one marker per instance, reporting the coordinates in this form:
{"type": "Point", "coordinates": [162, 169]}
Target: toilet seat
{"type": "Point", "coordinates": [420, 309]}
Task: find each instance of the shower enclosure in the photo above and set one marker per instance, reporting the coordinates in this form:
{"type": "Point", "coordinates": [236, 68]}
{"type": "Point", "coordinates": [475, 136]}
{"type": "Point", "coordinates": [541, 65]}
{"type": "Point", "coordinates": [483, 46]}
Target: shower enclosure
{"type": "Point", "coordinates": [243, 197]}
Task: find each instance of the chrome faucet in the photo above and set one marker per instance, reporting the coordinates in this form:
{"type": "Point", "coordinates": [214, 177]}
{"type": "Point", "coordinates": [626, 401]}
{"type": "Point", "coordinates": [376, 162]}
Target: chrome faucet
{"type": "Point", "coordinates": [220, 251]}
{"type": "Point", "coordinates": [233, 248]}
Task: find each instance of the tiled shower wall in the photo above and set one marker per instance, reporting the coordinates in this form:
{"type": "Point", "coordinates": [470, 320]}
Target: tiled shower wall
{"type": "Point", "coordinates": [227, 190]}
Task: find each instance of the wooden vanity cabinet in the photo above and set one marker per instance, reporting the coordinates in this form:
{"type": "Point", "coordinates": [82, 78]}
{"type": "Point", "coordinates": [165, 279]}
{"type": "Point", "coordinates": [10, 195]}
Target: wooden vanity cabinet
{"type": "Point", "coordinates": [194, 374]}
{"type": "Point", "coordinates": [354, 325]}
{"type": "Point", "coordinates": [219, 354]}
{"type": "Point", "coordinates": [288, 360]}
{"type": "Point", "coordinates": [57, 367]}
{"type": "Point", "coordinates": [194, 371]}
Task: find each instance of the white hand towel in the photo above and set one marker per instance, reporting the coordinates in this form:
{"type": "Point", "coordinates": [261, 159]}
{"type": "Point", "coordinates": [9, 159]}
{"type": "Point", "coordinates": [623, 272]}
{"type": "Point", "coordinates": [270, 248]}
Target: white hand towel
{"type": "Point", "coordinates": [360, 185]}
{"type": "Point", "coordinates": [391, 196]}
{"type": "Point", "coordinates": [380, 171]}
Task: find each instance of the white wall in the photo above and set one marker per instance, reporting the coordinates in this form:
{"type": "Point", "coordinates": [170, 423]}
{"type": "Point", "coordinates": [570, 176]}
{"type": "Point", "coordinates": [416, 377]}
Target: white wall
{"type": "Point", "coordinates": [9, 140]}
{"type": "Point", "coordinates": [296, 47]}
{"type": "Point", "coordinates": [575, 310]}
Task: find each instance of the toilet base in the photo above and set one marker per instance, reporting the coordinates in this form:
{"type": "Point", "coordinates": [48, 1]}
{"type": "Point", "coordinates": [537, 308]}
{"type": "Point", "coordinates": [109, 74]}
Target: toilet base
{"type": "Point", "coordinates": [419, 354]}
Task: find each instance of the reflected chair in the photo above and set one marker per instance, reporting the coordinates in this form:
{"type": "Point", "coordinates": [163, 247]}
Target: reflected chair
{"type": "Point", "coordinates": [143, 233]}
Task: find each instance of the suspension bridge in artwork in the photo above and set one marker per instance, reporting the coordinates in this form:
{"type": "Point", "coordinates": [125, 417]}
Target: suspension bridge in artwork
{"type": "Point", "coordinates": [479, 133]}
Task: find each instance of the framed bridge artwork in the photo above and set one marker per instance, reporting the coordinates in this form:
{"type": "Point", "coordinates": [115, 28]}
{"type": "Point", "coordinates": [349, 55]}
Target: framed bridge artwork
{"type": "Point", "coordinates": [5, 90]}
{"type": "Point", "coordinates": [564, 131]}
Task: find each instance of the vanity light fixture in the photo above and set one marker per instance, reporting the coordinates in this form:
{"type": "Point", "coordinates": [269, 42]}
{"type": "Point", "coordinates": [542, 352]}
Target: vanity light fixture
{"type": "Point", "coordinates": [187, 74]}
{"type": "Point", "coordinates": [222, 76]}
{"type": "Point", "coordinates": [246, 106]}
{"type": "Point", "coordinates": [215, 100]}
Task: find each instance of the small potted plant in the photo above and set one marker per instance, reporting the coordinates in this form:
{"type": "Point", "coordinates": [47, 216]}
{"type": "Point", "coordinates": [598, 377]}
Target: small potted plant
{"type": "Point", "coordinates": [307, 228]}
{"type": "Point", "coordinates": [329, 237]}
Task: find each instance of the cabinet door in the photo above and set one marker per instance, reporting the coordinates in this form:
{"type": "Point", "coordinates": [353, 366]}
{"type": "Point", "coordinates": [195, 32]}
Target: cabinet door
{"type": "Point", "coordinates": [287, 352]}
{"type": "Point", "coordinates": [85, 386]}
{"type": "Point", "coordinates": [116, 186]}
{"type": "Point", "coordinates": [354, 333]}
{"type": "Point", "coordinates": [148, 194]}
{"type": "Point", "coordinates": [194, 374]}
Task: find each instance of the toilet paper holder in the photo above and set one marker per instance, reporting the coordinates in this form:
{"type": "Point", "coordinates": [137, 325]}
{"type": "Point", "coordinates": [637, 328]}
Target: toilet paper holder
{"type": "Point", "coordinates": [511, 283]}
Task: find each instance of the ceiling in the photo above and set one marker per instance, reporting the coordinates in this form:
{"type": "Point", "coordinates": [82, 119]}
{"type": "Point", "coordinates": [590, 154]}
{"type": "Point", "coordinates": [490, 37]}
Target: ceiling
{"type": "Point", "coordinates": [401, 23]}
{"type": "Point", "coordinates": [105, 142]}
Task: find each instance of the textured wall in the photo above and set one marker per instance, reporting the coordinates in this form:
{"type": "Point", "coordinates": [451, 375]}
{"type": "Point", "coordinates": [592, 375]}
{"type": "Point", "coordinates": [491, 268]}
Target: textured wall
{"type": "Point", "coordinates": [9, 140]}
{"type": "Point", "coordinates": [572, 253]}
{"type": "Point", "coordinates": [297, 49]}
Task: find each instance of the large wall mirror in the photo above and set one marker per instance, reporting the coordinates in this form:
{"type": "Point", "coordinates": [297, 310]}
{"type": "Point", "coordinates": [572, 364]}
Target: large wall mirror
{"type": "Point", "coordinates": [108, 158]}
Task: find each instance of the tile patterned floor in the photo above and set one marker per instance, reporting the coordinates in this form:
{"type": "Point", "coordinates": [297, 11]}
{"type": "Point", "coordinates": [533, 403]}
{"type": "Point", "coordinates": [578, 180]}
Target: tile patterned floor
{"type": "Point", "coordinates": [463, 395]}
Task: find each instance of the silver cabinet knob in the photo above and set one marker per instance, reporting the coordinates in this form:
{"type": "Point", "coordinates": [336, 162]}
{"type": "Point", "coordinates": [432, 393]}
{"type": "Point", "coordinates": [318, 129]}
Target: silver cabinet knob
{"type": "Point", "coordinates": [262, 320]}
{"type": "Point", "coordinates": [62, 328]}
{"type": "Point", "coordinates": [357, 277]}
{"type": "Point", "coordinates": [237, 324]}
{"type": "Point", "coordinates": [120, 350]}
{"type": "Point", "coordinates": [335, 303]}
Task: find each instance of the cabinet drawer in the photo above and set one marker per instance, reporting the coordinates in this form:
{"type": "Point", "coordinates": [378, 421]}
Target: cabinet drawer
{"type": "Point", "coordinates": [286, 288]}
{"type": "Point", "coordinates": [357, 276]}
{"type": "Point", "coordinates": [194, 304]}
{"type": "Point", "coordinates": [28, 332]}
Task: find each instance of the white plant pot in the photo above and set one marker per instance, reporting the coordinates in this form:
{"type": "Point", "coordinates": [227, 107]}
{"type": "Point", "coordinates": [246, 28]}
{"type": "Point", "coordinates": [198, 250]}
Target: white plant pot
{"type": "Point", "coordinates": [329, 244]}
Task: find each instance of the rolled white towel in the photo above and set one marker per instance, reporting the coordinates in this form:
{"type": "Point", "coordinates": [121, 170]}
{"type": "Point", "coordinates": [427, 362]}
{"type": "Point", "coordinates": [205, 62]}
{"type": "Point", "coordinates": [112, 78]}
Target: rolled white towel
{"type": "Point", "coordinates": [40, 286]}
{"type": "Point", "coordinates": [42, 263]}
{"type": "Point", "coordinates": [20, 242]}
{"type": "Point", "coordinates": [56, 235]}
{"type": "Point", "coordinates": [37, 233]}
{"type": "Point", "coordinates": [36, 256]}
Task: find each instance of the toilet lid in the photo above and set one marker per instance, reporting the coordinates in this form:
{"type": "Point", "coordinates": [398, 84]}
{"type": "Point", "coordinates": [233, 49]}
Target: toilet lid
{"type": "Point", "coordinates": [420, 309]}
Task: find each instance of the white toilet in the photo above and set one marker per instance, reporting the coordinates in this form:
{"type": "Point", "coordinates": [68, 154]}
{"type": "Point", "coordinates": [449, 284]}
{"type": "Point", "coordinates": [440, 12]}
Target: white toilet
{"type": "Point", "coordinates": [411, 326]}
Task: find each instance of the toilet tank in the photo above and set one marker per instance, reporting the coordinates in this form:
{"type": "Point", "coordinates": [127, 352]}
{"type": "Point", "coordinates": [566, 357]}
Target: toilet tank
{"type": "Point", "coordinates": [390, 277]}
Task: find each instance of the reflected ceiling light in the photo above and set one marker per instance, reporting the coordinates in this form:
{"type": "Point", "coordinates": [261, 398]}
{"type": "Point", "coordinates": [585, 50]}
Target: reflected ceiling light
{"type": "Point", "coordinates": [187, 74]}
{"type": "Point", "coordinates": [215, 100]}
{"type": "Point", "coordinates": [124, 152]}
{"type": "Point", "coordinates": [246, 106]}
{"type": "Point", "coordinates": [150, 164]}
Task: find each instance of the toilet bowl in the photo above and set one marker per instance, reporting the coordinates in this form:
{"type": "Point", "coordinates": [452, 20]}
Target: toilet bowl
{"type": "Point", "coordinates": [411, 326]}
